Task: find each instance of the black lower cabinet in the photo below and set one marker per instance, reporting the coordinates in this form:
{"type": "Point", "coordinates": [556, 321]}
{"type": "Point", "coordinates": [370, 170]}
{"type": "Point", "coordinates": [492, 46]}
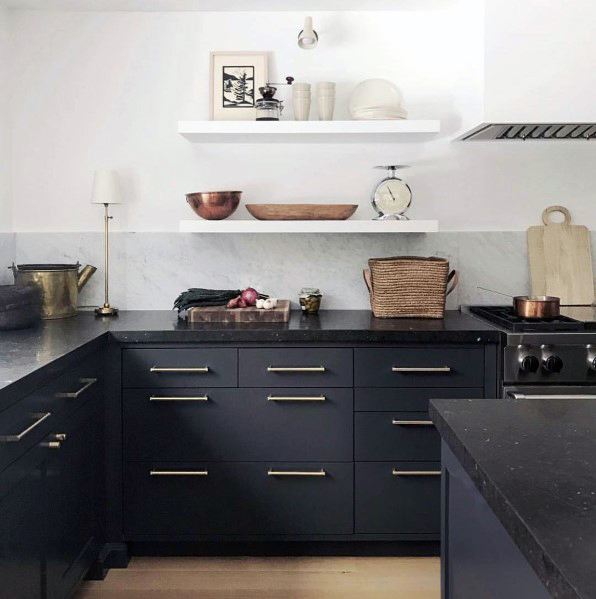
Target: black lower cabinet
{"type": "Point", "coordinates": [73, 492]}
{"type": "Point", "coordinates": [51, 488]}
{"type": "Point", "coordinates": [177, 499]}
{"type": "Point", "coordinates": [398, 498]}
{"type": "Point", "coordinates": [21, 523]}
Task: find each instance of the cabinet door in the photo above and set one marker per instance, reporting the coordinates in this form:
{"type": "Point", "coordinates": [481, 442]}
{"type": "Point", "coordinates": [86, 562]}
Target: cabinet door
{"type": "Point", "coordinates": [73, 479]}
{"type": "Point", "coordinates": [21, 525]}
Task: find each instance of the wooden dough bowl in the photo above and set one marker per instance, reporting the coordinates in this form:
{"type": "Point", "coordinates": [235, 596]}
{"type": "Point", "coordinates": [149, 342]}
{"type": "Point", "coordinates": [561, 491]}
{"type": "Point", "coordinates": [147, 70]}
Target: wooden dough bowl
{"type": "Point", "coordinates": [301, 211]}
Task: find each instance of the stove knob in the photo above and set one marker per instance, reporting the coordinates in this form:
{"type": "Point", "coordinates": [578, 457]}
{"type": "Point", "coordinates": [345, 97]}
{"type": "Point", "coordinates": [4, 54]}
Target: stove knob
{"type": "Point", "coordinates": [592, 363]}
{"type": "Point", "coordinates": [529, 364]}
{"type": "Point", "coordinates": [552, 364]}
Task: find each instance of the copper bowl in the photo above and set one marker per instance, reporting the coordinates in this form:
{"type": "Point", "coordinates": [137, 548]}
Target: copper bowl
{"type": "Point", "coordinates": [214, 205]}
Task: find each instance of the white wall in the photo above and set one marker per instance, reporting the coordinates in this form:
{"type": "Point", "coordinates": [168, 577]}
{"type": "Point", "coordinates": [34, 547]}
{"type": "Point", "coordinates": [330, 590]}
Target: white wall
{"type": "Point", "coordinates": [5, 203]}
{"type": "Point", "coordinates": [95, 90]}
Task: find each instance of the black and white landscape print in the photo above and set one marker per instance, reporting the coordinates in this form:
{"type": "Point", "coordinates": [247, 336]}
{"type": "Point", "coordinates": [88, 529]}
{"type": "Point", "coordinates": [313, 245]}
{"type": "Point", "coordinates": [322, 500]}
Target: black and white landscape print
{"type": "Point", "coordinates": [238, 89]}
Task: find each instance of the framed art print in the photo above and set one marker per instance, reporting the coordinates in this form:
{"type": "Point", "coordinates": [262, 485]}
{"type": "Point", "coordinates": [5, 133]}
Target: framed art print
{"type": "Point", "coordinates": [235, 81]}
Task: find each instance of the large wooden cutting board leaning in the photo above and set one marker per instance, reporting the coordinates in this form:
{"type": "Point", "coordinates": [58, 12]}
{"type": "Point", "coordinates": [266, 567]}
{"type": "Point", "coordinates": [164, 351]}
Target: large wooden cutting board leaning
{"type": "Point", "coordinates": [560, 258]}
{"type": "Point", "coordinates": [281, 313]}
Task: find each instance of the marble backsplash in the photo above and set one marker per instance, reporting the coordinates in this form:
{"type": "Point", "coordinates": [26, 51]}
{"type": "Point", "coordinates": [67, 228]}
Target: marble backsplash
{"type": "Point", "coordinates": [148, 270]}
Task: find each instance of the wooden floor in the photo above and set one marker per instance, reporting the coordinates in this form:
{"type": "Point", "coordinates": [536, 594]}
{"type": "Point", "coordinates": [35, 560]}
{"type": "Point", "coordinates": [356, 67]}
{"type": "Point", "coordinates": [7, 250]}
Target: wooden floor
{"type": "Point", "coordinates": [270, 578]}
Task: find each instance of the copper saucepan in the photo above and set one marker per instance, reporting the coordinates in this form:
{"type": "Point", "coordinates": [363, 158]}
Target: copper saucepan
{"type": "Point", "coordinates": [533, 306]}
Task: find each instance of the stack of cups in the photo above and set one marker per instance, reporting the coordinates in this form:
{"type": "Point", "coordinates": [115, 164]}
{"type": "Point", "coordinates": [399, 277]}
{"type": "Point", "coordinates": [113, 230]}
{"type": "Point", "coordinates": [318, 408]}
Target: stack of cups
{"type": "Point", "coordinates": [301, 101]}
{"type": "Point", "coordinates": [326, 100]}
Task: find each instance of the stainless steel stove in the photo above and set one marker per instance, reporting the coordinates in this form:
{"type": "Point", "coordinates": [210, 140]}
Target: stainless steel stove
{"type": "Point", "coordinates": [546, 359]}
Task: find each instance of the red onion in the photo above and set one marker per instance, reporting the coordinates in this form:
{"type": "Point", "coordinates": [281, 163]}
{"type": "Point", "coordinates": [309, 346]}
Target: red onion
{"type": "Point", "coordinates": [250, 296]}
{"type": "Point", "coordinates": [233, 303]}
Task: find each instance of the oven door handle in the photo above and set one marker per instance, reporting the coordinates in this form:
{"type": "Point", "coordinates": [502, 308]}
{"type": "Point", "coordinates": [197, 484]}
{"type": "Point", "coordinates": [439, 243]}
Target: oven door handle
{"type": "Point", "coordinates": [524, 396]}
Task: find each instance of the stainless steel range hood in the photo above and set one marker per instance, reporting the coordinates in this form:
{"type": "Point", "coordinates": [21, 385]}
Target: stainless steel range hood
{"type": "Point", "coordinates": [532, 131]}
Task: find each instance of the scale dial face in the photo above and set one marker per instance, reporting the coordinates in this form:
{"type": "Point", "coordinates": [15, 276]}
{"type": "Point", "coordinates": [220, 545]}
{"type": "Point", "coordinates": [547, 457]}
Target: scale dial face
{"type": "Point", "coordinates": [392, 197]}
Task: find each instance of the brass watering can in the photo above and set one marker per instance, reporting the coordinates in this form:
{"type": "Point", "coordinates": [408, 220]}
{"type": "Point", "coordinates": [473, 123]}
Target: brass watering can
{"type": "Point", "coordinates": [59, 284]}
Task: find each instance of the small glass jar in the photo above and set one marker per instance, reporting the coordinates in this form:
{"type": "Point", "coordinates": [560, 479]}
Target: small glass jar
{"type": "Point", "coordinates": [268, 109]}
{"type": "Point", "coordinates": [310, 300]}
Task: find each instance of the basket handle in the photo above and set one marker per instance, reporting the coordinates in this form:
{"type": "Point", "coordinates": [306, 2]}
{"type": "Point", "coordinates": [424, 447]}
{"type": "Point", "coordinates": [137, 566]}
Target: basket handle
{"type": "Point", "coordinates": [453, 278]}
{"type": "Point", "coordinates": [367, 279]}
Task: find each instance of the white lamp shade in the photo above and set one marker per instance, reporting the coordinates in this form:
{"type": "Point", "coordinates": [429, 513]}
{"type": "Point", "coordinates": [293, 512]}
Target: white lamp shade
{"type": "Point", "coordinates": [105, 188]}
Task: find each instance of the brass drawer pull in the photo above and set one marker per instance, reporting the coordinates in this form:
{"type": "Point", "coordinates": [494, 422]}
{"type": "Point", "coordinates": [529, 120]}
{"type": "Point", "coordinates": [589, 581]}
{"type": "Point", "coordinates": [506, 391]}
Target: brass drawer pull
{"type": "Point", "coordinates": [19, 437]}
{"type": "Point", "coordinates": [75, 394]}
{"type": "Point", "coordinates": [178, 473]}
{"type": "Point", "coordinates": [52, 445]}
{"type": "Point", "coordinates": [189, 369]}
{"type": "Point", "coordinates": [297, 473]}
{"type": "Point", "coordinates": [176, 398]}
{"type": "Point", "coordinates": [295, 369]}
{"type": "Point", "coordinates": [416, 472]}
{"type": "Point", "coordinates": [415, 369]}
{"type": "Point", "coordinates": [296, 398]}
{"type": "Point", "coordinates": [412, 422]}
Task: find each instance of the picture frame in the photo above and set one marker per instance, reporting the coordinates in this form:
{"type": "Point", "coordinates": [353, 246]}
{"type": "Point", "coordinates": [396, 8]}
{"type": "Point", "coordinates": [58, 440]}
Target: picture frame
{"type": "Point", "coordinates": [235, 78]}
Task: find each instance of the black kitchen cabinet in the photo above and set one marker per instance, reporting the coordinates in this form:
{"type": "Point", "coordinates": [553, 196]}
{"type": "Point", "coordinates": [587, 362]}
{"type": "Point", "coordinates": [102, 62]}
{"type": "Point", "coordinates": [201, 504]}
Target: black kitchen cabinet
{"type": "Point", "coordinates": [51, 493]}
{"type": "Point", "coordinates": [21, 525]}
{"type": "Point", "coordinates": [348, 428]}
{"type": "Point", "coordinates": [73, 492]}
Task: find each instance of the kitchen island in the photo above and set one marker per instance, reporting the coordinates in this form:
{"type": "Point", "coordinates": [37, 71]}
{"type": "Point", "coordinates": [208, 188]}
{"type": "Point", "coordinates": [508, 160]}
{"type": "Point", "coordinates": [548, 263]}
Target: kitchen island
{"type": "Point", "coordinates": [163, 426]}
{"type": "Point", "coordinates": [519, 498]}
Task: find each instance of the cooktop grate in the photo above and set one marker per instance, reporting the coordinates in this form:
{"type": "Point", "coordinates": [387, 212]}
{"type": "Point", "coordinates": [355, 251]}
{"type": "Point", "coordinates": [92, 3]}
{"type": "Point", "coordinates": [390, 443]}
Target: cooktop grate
{"type": "Point", "coordinates": [505, 317]}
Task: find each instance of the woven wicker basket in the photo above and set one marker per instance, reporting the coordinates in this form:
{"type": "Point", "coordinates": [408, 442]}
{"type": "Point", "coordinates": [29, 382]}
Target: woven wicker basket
{"type": "Point", "coordinates": [409, 286]}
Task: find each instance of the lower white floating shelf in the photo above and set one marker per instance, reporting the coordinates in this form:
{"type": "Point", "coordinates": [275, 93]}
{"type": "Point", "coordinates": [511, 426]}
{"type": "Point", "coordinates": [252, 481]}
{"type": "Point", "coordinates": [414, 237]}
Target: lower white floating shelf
{"type": "Point", "coordinates": [309, 226]}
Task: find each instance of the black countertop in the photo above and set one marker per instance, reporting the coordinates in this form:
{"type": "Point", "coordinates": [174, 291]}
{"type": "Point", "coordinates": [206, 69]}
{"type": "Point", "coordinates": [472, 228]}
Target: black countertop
{"type": "Point", "coordinates": [24, 353]}
{"type": "Point", "coordinates": [534, 461]}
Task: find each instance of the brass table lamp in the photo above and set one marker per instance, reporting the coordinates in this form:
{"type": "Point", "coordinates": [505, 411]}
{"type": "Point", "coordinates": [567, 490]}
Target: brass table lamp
{"type": "Point", "coordinates": [106, 192]}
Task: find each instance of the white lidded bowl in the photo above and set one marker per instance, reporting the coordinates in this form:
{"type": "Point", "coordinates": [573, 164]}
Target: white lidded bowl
{"type": "Point", "coordinates": [378, 96]}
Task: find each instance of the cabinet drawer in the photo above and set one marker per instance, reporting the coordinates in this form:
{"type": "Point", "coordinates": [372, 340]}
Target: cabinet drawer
{"type": "Point", "coordinates": [238, 424]}
{"type": "Point", "coordinates": [419, 367]}
{"type": "Point", "coordinates": [25, 423]}
{"type": "Point", "coordinates": [405, 399]}
{"type": "Point", "coordinates": [396, 436]}
{"type": "Point", "coordinates": [190, 498]}
{"type": "Point", "coordinates": [388, 500]}
{"type": "Point", "coordinates": [296, 367]}
{"type": "Point", "coordinates": [176, 367]}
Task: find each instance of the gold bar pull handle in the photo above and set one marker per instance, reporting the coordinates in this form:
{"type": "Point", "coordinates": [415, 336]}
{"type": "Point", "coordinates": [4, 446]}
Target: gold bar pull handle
{"type": "Point", "coordinates": [412, 422]}
{"type": "Point", "coordinates": [180, 369]}
{"type": "Point", "coordinates": [75, 394]}
{"type": "Point", "coordinates": [317, 473]}
{"type": "Point", "coordinates": [178, 398]}
{"type": "Point", "coordinates": [296, 398]}
{"type": "Point", "coordinates": [178, 473]}
{"type": "Point", "coordinates": [420, 369]}
{"type": "Point", "coordinates": [52, 444]}
{"type": "Point", "coordinates": [20, 436]}
{"type": "Point", "coordinates": [397, 472]}
{"type": "Point", "coordinates": [295, 369]}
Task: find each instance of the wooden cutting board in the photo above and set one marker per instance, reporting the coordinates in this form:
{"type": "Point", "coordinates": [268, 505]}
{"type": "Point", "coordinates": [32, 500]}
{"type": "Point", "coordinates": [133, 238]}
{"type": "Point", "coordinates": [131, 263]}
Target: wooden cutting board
{"type": "Point", "coordinates": [560, 258]}
{"type": "Point", "coordinates": [281, 313]}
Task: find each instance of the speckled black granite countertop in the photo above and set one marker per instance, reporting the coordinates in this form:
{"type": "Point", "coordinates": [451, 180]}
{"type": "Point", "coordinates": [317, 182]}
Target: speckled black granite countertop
{"type": "Point", "coordinates": [23, 353]}
{"type": "Point", "coordinates": [534, 461]}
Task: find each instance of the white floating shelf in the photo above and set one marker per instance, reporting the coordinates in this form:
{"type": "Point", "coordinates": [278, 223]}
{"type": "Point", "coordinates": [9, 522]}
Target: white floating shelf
{"type": "Point", "coordinates": [305, 131]}
{"type": "Point", "coordinates": [309, 226]}
{"type": "Point", "coordinates": [202, 5]}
